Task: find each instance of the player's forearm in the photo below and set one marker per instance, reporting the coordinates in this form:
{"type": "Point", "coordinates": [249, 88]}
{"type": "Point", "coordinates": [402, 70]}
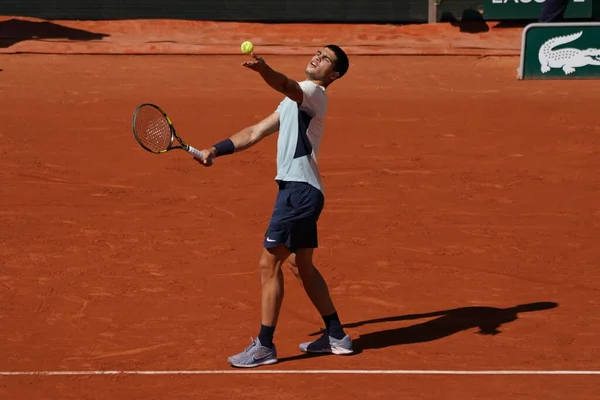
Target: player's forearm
{"type": "Point", "coordinates": [242, 140]}
{"type": "Point", "coordinates": [276, 80]}
{"type": "Point", "coordinates": [245, 138]}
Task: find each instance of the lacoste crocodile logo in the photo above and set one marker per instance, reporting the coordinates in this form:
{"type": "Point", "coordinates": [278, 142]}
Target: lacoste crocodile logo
{"type": "Point", "coordinates": [567, 58]}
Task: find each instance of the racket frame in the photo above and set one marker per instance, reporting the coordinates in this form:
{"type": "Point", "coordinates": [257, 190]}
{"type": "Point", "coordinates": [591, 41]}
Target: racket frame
{"type": "Point", "coordinates": [183, 145]}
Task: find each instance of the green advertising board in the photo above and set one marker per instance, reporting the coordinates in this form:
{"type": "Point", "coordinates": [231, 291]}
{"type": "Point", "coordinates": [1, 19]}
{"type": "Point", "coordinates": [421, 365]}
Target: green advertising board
{"type": "Point", "coordinates": [560, 51]}
{"type": "Point", "coordinates": [530, 9]}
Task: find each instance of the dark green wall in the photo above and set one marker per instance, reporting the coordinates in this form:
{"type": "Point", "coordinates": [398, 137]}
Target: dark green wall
{"type": "Point", "coordinates": [368, 11]}
{"type": "Point", "coordinates": [380, 11]}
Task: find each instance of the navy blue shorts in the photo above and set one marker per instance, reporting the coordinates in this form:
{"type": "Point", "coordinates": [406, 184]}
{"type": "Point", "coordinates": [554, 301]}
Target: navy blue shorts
{"type": "Point", "coordinates": [294, 220]}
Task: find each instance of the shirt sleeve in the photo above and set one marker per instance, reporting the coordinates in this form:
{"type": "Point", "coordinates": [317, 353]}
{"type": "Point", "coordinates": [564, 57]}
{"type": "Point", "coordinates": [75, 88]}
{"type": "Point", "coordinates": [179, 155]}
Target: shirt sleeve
{"type": "Point", "coordinates": [315, 98]}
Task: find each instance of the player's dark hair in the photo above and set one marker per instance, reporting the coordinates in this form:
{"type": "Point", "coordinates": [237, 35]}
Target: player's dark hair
{"type": "Point", "coordinates": [341, 63]}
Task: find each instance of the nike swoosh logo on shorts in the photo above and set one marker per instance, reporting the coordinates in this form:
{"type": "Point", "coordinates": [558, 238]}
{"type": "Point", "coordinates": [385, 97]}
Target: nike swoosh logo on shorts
{"type": "Point", "coordinates": [271, 240]}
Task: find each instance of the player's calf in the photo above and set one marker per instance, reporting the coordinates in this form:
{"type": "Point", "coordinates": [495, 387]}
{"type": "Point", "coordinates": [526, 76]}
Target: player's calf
{"type": "Point", "coordinates": [272, 291]}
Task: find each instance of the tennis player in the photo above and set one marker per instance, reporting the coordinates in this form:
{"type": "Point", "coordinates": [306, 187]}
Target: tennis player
{"type": "Point", "coordinates": [292, 231]}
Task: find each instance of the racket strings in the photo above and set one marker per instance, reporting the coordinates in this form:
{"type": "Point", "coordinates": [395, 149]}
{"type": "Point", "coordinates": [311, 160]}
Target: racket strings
{"type": "Point", "coordinates": [152, 129]}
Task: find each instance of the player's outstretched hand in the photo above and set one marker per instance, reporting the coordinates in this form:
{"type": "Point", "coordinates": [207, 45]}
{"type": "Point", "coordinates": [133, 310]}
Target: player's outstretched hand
{"type": "Point", "coordinates": [207, 159]}
{"type": "Point", "coordinates": [257, 65]}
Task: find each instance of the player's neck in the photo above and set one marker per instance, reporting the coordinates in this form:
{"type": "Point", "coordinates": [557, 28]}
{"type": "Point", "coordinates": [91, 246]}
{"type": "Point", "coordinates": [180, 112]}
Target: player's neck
{"type": "Point", "coordinates": [318, 82]}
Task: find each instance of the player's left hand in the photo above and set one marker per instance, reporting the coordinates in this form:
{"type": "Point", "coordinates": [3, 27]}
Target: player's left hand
{"type": "Point", "coordinates": [257, 65]}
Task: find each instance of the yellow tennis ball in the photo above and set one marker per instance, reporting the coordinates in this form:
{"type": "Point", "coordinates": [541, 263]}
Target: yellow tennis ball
{"type": "Point", "coordinates": [247, 47]}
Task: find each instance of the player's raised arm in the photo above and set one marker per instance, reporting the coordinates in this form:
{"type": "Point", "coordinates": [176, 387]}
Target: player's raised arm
{"type": "Point", "coordinates": [276, 80]}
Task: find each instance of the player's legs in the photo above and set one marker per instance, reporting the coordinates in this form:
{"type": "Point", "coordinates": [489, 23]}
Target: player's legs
{"type": "Point", "coordinates": [292, 226]}
{"type": "Point", "coordinates": [293, 206]}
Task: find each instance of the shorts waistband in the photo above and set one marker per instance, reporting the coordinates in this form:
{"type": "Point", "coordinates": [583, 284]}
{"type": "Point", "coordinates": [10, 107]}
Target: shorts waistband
{"type": "Point", "coordinates": [290, 184]}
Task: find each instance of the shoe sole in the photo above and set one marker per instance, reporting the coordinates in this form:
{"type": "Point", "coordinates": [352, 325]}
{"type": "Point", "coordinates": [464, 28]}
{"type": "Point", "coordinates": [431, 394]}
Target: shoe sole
{"type": "Point", "coordinates": [268, 362]}
{"type": "Point", "coordinates": [338, 351]}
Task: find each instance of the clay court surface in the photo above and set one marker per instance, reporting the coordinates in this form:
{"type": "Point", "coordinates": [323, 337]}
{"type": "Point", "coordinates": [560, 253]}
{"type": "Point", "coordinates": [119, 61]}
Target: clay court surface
{"type": "Point", "coordinates": [460, 230]}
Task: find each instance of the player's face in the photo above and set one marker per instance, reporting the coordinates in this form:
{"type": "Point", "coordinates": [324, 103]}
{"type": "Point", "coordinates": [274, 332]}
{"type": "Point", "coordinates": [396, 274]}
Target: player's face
{"type": "Point", "coordinates": [321, 65]}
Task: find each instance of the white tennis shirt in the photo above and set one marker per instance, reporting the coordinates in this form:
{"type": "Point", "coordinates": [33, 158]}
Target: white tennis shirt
{"type": "Point", "coordinates": [300, 133]}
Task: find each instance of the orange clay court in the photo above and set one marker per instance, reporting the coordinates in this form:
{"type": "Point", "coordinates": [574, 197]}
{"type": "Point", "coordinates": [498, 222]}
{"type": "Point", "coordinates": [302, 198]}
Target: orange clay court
{"type": "Point", "coordinates": [460, 231]}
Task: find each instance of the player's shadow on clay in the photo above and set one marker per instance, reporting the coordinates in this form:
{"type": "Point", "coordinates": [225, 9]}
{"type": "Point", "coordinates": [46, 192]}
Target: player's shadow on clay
{"type": "Point", "coordinates": [440, 324]}
{"type": "Point", "coordinates": [14, 30]}
{"type": "Point", "coordinates": [444, 323]}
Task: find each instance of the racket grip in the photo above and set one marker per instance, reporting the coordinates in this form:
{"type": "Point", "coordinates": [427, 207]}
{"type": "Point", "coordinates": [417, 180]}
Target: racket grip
{"type": "Point", "coordinates": [195, 152]}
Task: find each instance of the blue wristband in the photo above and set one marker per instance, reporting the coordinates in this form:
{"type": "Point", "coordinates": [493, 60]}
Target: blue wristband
{"type": "Point", "coordinates": [224, 147]}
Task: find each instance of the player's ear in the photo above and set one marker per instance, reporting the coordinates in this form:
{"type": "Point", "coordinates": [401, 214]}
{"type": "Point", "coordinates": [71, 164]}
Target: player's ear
{"type": "Point", "coordinates": [334, 75]}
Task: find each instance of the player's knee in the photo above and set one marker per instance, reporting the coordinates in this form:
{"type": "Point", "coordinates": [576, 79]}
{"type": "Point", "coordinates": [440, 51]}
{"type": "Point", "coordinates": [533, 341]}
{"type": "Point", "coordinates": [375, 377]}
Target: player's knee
{"type": "Point", "coordinates": [267, 267]}
{"type": "Point", "coordinates": [303, 263]}
{"type": "Point", "coordinates": [270, 263]}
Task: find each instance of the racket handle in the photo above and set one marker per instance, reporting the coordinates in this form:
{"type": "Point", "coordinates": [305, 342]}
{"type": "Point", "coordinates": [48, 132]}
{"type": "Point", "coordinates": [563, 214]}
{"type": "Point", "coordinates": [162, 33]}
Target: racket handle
{"type": "Point", "coordinates": [195, 152]}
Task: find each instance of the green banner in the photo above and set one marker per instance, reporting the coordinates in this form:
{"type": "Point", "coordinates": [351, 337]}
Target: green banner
{"type": "Point", "coordinates": [338, 11]}
{"type": "Point", "coordinates": [560, 51]}
{"type": "Point", "coordinates": [530, 9]}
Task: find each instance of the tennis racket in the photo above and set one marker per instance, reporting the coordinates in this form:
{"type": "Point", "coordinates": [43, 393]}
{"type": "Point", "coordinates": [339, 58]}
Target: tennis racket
{"type": "Point", "coordinates": [155, 132]}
